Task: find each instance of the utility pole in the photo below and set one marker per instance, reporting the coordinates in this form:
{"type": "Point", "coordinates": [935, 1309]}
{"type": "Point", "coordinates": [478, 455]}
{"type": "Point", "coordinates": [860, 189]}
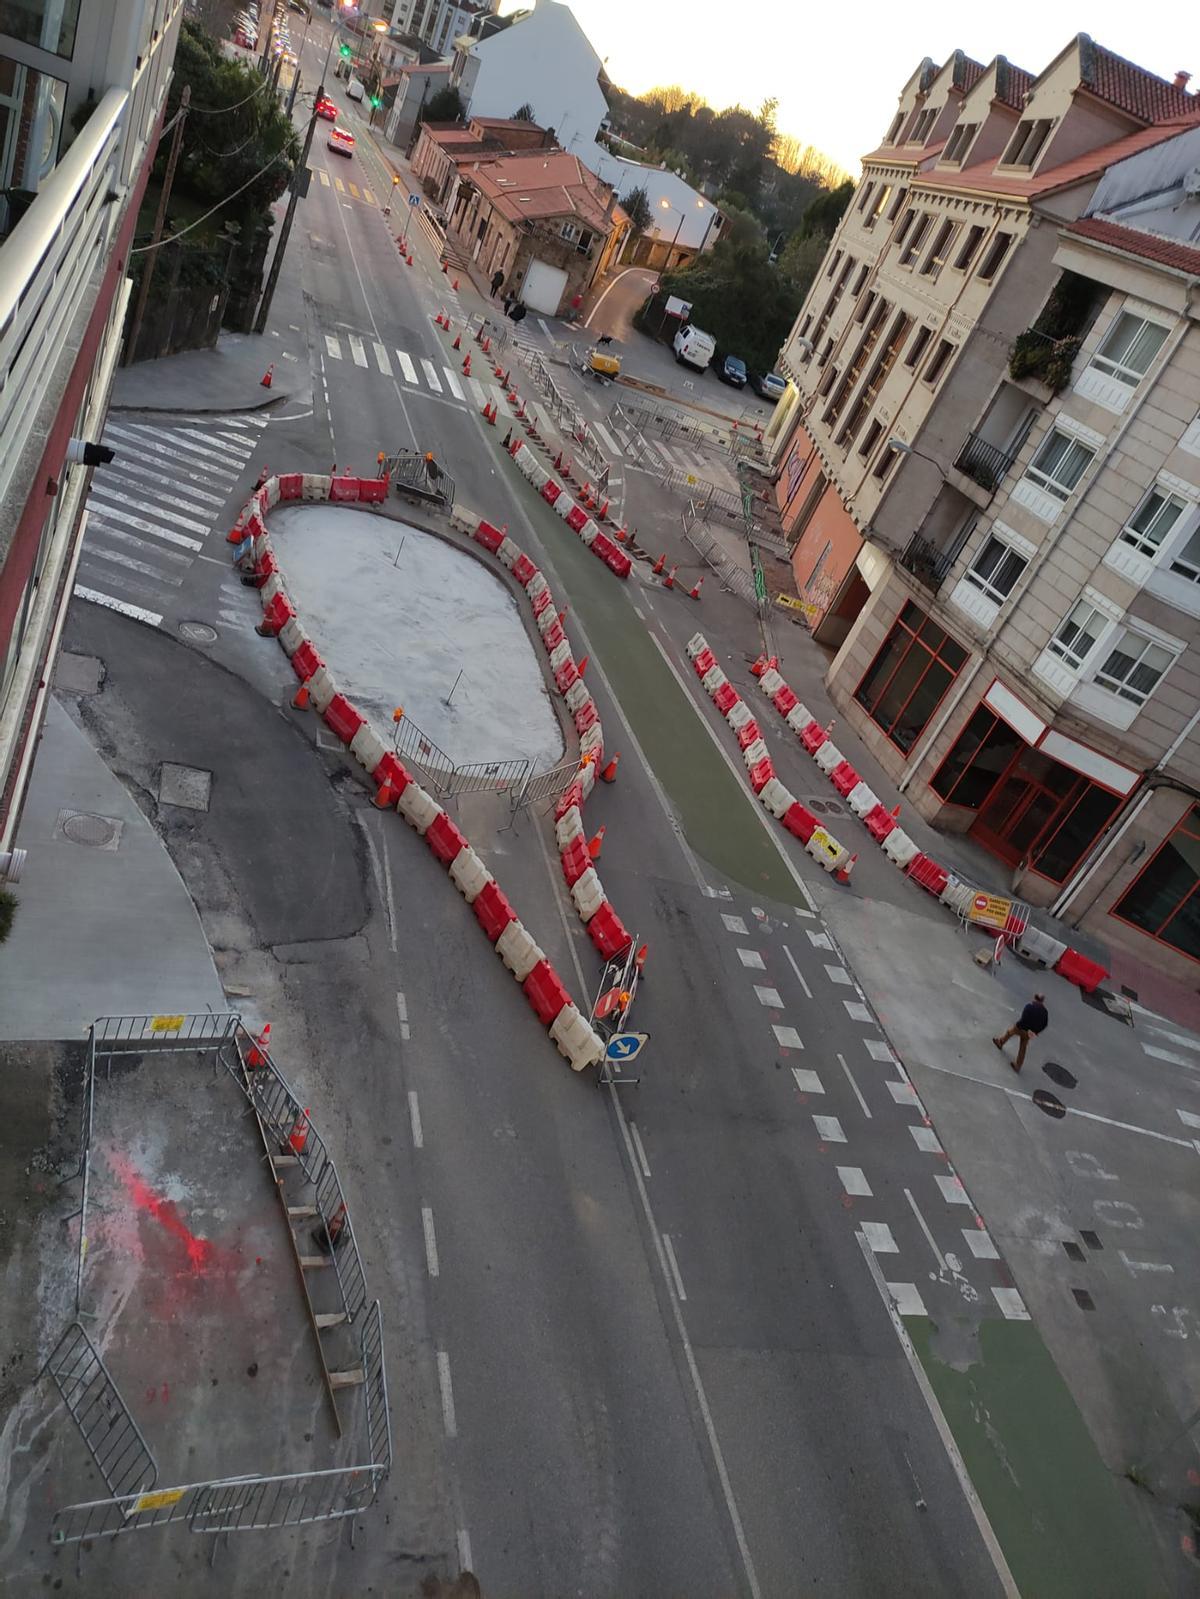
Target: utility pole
{"type": "Point", "coordinates": [264, 308]}
{"type": "Point", "coordinates": [292, 91]}
{"type": "Point", "coordinates": [135, 327]}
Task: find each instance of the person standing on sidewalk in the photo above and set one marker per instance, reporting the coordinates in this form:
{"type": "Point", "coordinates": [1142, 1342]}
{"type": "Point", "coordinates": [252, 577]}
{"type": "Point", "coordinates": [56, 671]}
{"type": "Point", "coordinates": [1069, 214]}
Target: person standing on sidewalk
{"type": "Point", "coordinates": [497, 280]}
{"type": "Point", "coordinates": [1033, 1019]}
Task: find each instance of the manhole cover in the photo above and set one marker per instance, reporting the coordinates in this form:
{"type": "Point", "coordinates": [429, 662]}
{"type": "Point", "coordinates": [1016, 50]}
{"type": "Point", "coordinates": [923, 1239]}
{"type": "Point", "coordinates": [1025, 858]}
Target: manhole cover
{"type": "Point", "coordinates": [1050, 1103]}
{"type": "Point", "coordinates": [84, 827]}
{"type": "Point", "coordinates": [1060, 1075]}
{"type": "Point", "coordinates": [197, 633]}
{"type": "Point", "coordinates": [186, 786]}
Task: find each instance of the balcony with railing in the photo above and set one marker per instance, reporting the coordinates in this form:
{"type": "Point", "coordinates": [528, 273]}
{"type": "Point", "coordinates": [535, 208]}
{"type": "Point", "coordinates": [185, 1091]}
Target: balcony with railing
{"type": "Point", "coordinates": [1044, 354]}
{"type": "Point", "coordinates": [984, 463]}
{"type": "Point", "coordinates": [928, 564]}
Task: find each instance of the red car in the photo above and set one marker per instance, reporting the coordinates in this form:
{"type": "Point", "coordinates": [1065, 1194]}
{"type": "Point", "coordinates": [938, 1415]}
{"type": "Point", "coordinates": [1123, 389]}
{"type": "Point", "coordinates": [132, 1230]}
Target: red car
{"type": "Point", "coordinates": [341, 141]}
{"type": "Point", "coordinates": [327, 109]}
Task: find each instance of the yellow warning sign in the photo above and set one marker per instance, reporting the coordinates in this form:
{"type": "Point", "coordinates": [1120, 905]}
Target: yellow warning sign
{"type": "Point", "coordinates": [161, 1499]}
{"type": "Point", "coordinates": [829, 846]}
{"type": "Point", "coordinates": [166, 1024]}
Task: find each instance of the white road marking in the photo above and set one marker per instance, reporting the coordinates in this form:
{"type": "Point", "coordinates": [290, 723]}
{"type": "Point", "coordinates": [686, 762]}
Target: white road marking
{"type": "Point", "coordinates": [641, 1153]}
{"type": "Point", "coordinates": [185, 452]}
{"type": "Point", "coordinates": [431, 376]}
{"type": "Point", "coordinates": [606, 438]}
{"type": "Point", "coordinates": [865, 1108]}
{"type": "Point", "coordinates": [218, 443]}
{"type": "Point", "coordinates": [464, 1551]}
{"type": "Point", "coordinates": [406, 367]}
{"type": "Point", "coordinates": [357, 350]}
{"type": "Point", "coordinates": [752, 959]}
{"type": "Point", "coordinates": [979, 1242]}
{"type": "Point", "coordinates": [1146, 1265]}
{"type": "Point", "coordinates": [180, 485]}
{"type": "Point", "coordinates": [674, 1265]}
{"type": "Point", "coordinates": [478, 392]}
{"type": "Point", "coordinates": [799, 974]}
{"type": "Point", "coordinates": [879, 1236]}
{"type": "Point", "coordinates": [903, 1093]}
{"type": "Point", "coordinates": [431, 1250]}
{"type": "Point", "coordinates": [734, 924]}
{"type": "Point", "coordinates": [141, 544]}
{"type": "Point", "coordinates": [786, 1037]}
{"type": "Point", "coordinates": [924, 1226]}
{"type": "Point", "coordinates": [768, 997]}
{"type": "Point", "coordinates": [97, 552]}
{"type": "Point", "coordinates": [414, 1117]}
{"type": "Point", "coordinates": [112, 531]}
{"type": "Point", "coordinates": [449, 1420]}
{"type": "Point", "coordinates": [402, 1014]}
{"type": "Point", "coordinates": [952, 1188]}
{"type": "Point", "coordinates": [381, 355]}
{"type": "Point", "coordinates": [854, 1181]}
{"type": "Point", "coordinates": [390, 905]}
{"type": "Point", "coordinates": [856, 1011]}
{"type": "Point", "coordinates": [1187, 1118]}
{"type": "Point", "coordinates": [878, 1050]}
{"type": "Point", "coordinates": [1176, 1038]}
{"type": "Point", "coordinates": [1011, 1304]}
{"type": "Point", "coordinates": [838, 974]}
{"type": "Point", "coordinates": [454, 385]}
{"type": "Point", "coordinates": [125, 609]}
{"type": "Point", "coordinates": [806, 1081]}
{"type": "Point", "coordinates": [818, 940]}
{"type": "Point", "coordinates": [907, 1299]}
{"type": "Point", "coordinates": [926, 1139]}
{"type": "Point", "coordinates": [1165, 1054]}
{"type": "Point", "coordinates": [333, 347]}
{"type": "Point", "coordinates": [100, 491]}
{"type": "Point", "coordinates": [829, 1129]}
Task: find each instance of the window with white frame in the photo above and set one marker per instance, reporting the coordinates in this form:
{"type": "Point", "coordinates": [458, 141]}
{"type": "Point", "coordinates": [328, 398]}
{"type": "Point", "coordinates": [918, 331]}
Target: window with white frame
{"type": "Point", "coordinates": [1186, 560]}
{"type": "Point", "coordinates": [996, 569]}
{"type": "Point", "coordinates": [1059, 464]}
{"type": "Point", "coordinates": [1077, 633]}
{"type": "Point", "coordinates": [1128, 349]}
{"type": "Point", "coordinates": [1152, 521]}
{"type": "Point", "coordinates": [1134, 665]}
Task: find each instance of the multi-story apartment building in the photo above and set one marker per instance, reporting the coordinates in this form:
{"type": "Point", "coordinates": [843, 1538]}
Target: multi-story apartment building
{"type": "Point", "coordinates": [438, 23]}
{"type": "Point", "coordinates": [82, 87]}
{"type": "Point", "coordinates": [986, 473]}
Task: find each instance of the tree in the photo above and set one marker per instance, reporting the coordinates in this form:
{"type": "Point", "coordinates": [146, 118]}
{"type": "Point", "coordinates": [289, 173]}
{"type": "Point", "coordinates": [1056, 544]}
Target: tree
{"type": "Point", "coordinates": [444, 106]}
{"type": "Point", "coordinates": [737, 296]}
{"type": "Point", "coordinates": [801, 260]}
{"type": "Point", "coordinates": [825, 212]}
{"type": "Point", "coordinates": [636, 205]}
{"type": "Point", "coordinates": [523, 113]}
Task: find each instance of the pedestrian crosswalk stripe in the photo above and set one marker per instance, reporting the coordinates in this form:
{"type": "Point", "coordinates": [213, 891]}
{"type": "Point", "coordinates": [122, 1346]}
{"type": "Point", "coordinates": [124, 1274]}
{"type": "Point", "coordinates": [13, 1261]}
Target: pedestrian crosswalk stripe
{"type": "Point", "coordinates": [454, 385]}
{"type": "Point", "coordinates": [168, 482]}
{"type": "Point", "coordinates": [109, 516]}
{"type": "Point", "coordinates": [239, 449]}
{"type": "Point", "coordinates": [136, 611]}
{"type": "Point", "coordinates": [497, 396]}
{"type": "Point", "coordinates": [476, 391]}
{"type": "Point", "coordinates": [368, 196]}
{"type": "Point", "coordinates": [339, 185]}
{"type": "Point", "coordinates": [333, 347]}
{"type": "Point", "coordinates": [381, 355]}
{"type": "Point", "coordinates": [140, 544]}
{"type": "Point", "coordinates": [323, 175]}
{"type": "Point", "coordinates": [354, 190]}
{"type": "Point", "coordinates": [431, 376]}
{"type": "Point", "coordinates": [189, 471]}
{"type": "Point", "coordinates": [102, 487]}
{"type": "Point", "coordinates": [246, 421]}
{"type": "Point", "coordinates": [606, 439]}
{"type": "Point", "coordinates": [406, 366]}
{"type": "Point", "coordinates": [97, 552]}
{"type": "Point", "coordinates": [243, 443]}
{"type": "Point", "coordinates": [184, 450]}
{"type": "Point", "coordinates": [357, 351]}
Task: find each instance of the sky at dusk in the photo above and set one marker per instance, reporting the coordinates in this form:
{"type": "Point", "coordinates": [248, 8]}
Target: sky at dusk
{"type": "Point", "coordinates": [837, 69]}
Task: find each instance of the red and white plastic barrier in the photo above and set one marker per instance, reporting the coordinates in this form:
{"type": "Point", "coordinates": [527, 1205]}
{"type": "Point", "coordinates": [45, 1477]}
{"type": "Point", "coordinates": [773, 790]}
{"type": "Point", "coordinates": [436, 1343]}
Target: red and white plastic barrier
{"type": "Point", "coordinates": [575, 516]}
{"type": "Point", "coordinates": [569, 1028]}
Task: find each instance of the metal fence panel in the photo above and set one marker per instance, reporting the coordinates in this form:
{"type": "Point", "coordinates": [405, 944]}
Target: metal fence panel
{"type": "Point", "coordinates": [257, 1503]}
{"type": "Point", "coordinates": [113, 1438]}
{"type": "Point", "coordinates": [379, 1421]}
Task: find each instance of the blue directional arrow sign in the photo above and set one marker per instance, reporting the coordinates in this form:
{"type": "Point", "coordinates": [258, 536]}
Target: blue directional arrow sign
{"type": "Point", "coordinates": [625, 1046]}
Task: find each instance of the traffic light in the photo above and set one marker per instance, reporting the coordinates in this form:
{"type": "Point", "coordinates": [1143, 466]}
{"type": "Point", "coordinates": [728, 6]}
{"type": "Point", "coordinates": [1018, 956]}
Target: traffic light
{"type": "Point", "coordinates": [376, 102]}
{"type": "Point", "coordinates": [344, 51]}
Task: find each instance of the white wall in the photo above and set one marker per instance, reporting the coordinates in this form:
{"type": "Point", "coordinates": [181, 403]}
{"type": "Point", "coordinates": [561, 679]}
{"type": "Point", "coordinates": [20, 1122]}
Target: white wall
{"type": "Point", "coordinates": [544, 60]}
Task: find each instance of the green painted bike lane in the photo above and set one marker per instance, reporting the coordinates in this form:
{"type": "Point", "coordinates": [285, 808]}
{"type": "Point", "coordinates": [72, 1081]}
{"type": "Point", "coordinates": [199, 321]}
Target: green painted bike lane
{"type": "Point", "coordinates": [1069, 1529]}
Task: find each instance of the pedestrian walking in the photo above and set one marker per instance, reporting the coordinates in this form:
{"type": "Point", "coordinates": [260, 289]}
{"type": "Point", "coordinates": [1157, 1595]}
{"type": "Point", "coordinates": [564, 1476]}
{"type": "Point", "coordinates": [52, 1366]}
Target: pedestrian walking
{"type": "Point", "coordinates": [1033, 1019]}
{"type": "Point", "coordinates": [497, 280]}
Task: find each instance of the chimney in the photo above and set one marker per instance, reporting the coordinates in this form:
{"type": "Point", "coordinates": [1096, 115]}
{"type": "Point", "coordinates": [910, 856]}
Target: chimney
{"type": "Point", "coordinates": [1182, 79]}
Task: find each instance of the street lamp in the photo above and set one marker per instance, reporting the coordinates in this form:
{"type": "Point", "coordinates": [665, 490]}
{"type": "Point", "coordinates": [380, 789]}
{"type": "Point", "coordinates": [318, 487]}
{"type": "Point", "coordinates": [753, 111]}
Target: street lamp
{"type": "Point", "coordinates": [899, 447]}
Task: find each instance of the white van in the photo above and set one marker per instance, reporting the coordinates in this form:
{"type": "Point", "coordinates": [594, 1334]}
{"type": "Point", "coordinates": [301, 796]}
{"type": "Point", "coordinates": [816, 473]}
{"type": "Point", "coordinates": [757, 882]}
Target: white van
{"type": "Point", "coordinates": [354, 90]}
{"type": "Point", "coordinates": [694, 347]}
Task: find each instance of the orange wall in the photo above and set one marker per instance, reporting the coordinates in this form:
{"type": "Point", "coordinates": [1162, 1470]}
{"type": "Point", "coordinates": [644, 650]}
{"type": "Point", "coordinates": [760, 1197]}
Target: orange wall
{"type": "Point", "coordinates": [801, 463]}
{"type": "Point", "coordinates": [829, 524]}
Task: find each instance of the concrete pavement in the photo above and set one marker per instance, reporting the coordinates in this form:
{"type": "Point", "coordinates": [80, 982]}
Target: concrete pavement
{"type": "Point", "coordinates": [227, 378]}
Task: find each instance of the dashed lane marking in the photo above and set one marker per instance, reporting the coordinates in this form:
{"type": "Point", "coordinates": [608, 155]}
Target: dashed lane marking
{"type": "Point", "coordinates": [854, 1181]}
{"type": "Point", "coordinates": [786, 1037]}
{"type": "Point", "coordinates": [829, 1129]}
{"type": "Point", "coordinates": [879, 1236]}
{"type": "Point", "coordinates": [807, 1081]}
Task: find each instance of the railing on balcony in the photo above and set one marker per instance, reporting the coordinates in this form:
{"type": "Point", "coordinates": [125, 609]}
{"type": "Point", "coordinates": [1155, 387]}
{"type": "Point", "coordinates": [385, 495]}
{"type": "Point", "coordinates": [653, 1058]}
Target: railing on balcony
{"type": "Point", "coordinates": [986, 464]}
{"type": "Point", "coordinates": [926, 562]}
{"type": "Point", "coordinates": [46, 264]}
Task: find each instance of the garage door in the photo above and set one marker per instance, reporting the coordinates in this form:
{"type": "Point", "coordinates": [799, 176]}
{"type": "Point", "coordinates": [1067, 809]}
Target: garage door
{"type": "Point", "coordinates": [544, 285]}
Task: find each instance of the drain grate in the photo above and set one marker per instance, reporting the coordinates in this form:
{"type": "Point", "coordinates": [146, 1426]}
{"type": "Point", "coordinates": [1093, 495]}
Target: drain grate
{"type": "Point", "coordinates": [1050, 1103]}
{"type": "Point", "coordinates": [87, 828]}
{"type": "Point", "coordinates": [826, 807]}
{"type": "Point", "coordinates": [197, 633]}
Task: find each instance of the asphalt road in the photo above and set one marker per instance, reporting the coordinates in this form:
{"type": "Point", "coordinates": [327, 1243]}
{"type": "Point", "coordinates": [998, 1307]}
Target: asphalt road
{"type": "Point", "coordinates": [665, 1363]}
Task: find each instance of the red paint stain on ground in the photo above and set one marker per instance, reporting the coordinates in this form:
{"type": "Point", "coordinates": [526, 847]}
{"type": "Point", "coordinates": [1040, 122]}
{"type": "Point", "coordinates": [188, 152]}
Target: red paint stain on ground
{"type": "Point", "coordinates": [199, 1252]}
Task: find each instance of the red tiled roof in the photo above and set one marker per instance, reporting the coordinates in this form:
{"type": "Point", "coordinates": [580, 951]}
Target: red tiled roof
{"type": "Point", "coordinates": [967, 72]}
{"type": "Point", "coordinates": [1173, 253]}
{"type": "Point", "coordinates": [1012, 83]}
{"type": "Point", "coordinates": [545, 183]}
{"type": "Point", "coordinates": [1129, 87]}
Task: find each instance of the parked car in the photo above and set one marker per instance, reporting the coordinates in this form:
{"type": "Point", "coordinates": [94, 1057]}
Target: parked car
{"type": "Point", "coordinates": [769, 385]}
{"type": "Point", "coordinates": [732, 369]}
{"type": "Point", "coordinates": [341, 140]}
{"type": "Point", "coordinates": [354, 90]}
{"type": "Point", "coordinates": [694, 347]}
{"type": "Point", "coordinates": [242, 39]}
{"type": "Point", "coordinates": [327, 109]}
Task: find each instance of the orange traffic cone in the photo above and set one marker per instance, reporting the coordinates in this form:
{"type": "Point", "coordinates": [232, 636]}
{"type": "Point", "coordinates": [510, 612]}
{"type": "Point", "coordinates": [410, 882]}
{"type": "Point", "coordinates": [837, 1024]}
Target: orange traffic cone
{"type": "Point", "coordinates": [609, 774]}
{"type": "Point", "coordinates": [445, 266]}
{"type": "Point", "coordinates": [408, 260]}
{"type": "Point", "coordinates": [595, 845]}
{"type": "Point", "coordinates": [385, 797]}
{"type": "Point", "coordinates": [268, 376]}
{"type": "Point", "coordinates": [454, 285]}
{"type": "Point", "coordinates": [842, 874]}
{"type": "Point", "coordinates": [660, 564]}
{"type": "Point", "coordinates": [300, 697]}
{"type": "Point", "coordinates": [467, 365]}
{"type": "Point", "coordinates": [489, 414]}
{"type": "Point", "coordinates": [582, 667]}
{"type": "Point", "coordinates": [255, 1054]}
{"type": "Point", "coordinates": [639, 960]}
{"type": "Point", "coordinates": [262, 477]}
{"type": "Point", "coordinates": [457, 345]}
{"type": "Point", "coordinates": [669, 580]}
{"type": "Point", "coordinates": [487, 345]}
{"type": "Point", "coordinates": [562, 615]}
{"type": "Point", "coordinates": [620, 535]}
{"type": "Point", "coordinates": [602, 512]}
{"type": "Point", "coordinates": [694, 593]}
{"type": "Point", "coordinates": [298, 1137]}
{"type": "Point", "coordinates": [328, 1234]}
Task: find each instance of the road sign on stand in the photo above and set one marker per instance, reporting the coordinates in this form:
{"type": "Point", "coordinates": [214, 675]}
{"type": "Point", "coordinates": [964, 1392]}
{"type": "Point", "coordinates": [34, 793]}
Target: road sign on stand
{"type": "Point", "coordinates": [625, 1046]}
{"type": "Point", "coordinates": [414, 199]}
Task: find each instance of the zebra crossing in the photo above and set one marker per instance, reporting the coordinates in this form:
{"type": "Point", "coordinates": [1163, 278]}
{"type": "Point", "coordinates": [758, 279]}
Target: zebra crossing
{"type": "Point", "coordinates": [416, 371]}
{"type": "Point", "coordinates": [153, 508]}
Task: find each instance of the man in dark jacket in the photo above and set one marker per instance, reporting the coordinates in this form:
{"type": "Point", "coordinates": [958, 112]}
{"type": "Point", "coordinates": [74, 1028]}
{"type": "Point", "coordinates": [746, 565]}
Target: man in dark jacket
{"type": "Point", "coordinates": [1032, 1020]}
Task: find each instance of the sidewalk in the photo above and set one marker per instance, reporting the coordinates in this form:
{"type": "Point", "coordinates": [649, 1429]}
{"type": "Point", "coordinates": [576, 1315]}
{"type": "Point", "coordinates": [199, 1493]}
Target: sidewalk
{"type": "Point", "coordinates": [228, 378]}
{"type": "Point", "coordinates": [104, 925]}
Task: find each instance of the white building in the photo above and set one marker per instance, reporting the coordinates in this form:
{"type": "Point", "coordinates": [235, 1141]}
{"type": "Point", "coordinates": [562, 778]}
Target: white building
{"type": "Point", "coordinates": [83, 87]}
